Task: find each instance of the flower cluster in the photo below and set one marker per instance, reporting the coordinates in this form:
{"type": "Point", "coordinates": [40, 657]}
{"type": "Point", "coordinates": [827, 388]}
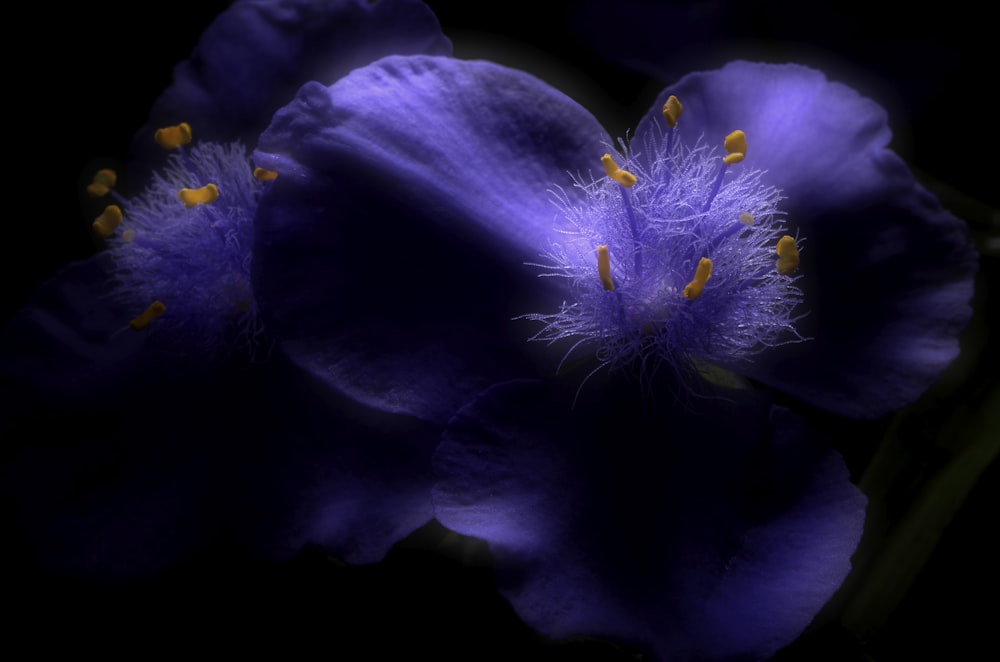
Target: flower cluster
{"type": "Point", "coordinates": [400, 220]}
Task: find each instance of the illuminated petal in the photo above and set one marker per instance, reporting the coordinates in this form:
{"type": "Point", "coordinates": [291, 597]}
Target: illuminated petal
{"type": "Point", "coordinates": [888, 272]}
{"type": "Point", "coordinates": [391, 248]}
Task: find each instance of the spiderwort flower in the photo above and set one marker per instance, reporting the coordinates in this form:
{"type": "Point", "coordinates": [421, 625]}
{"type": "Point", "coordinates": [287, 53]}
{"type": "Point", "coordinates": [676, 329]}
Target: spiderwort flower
{"type": "Point", "coordinates": [674, 250]}
{"type": "Point", "coordinates": [149, 338]}
{"type": "Point", "coordinates": [466, 185]}
{"type": "Point", "coordinates": [455, 162]}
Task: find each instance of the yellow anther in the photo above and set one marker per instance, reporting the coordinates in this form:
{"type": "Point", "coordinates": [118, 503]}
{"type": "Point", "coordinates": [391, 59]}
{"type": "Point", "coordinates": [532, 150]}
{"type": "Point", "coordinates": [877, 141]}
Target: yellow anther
{"type": "Point", "coordinates": [142, 321]}
{"type": "Point", "coordinates": [746, 218]}
{"type": "Point", "coordinates": [736, 147]}
{"type": "Point", "coordinates": [128, 236]}
{"type": "Point", "coordinates": [264, 175]}
{"type": "Point", "coordinates": [623, 177]}
{"type": "Point", "coordinates": [104, 180]}
{"type": "Point", "coordinates": [110, 218]}
{"type": "Point", "coordinates": [172, 137]}
{"type": "Point", "coordinates": [788, 256]}
{"type": "Point", "coordinates": [672, 110]}
{"type": "Point", "coordinates": [199, 196]}
{"type": "Point", "coordinates": [604, 268]}
{"type": "Point", "coordinates": [701, 275]}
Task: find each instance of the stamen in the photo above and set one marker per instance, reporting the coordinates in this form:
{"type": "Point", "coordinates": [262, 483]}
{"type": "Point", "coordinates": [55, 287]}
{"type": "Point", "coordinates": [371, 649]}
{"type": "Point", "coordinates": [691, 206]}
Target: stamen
{"type": "Point", "coordinates": [623, 177]}
{"type": "Point", "coordinates": [604, 268]}
{"type": "Point", "coordinates": [264, 175]}
{"type": "Point", "coordinates": [105, 224]}
{"type": "Point", "coordinates": [690, 219]}
{"type": "Point", "coordinates": [736, 147]}
{"type": "Point", "coordinates": [788, 256]}
{"type": "Point", "coordinates": [104, 180]}
{"type": "Point", "coordinates": [199, 196]}
{"type": "Point", "coordinates": [701, 275]}
{"type": "Point", "coordinates": [172, 137]}
{"type": "Point", "coordinates": [142, 321]}
{"type": "Point", "coordinates": [672, 110]}
{"type": "Point", "coordinates": [171, 241]}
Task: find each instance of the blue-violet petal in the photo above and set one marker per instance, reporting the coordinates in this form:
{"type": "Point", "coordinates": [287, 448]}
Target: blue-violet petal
{"type": "Point", "coordinates": [410, 194]}
{"type": "Point", "coordinates": [255, 55]}
{"type": "Point", "coordinates": [712, 533]}
{"type": "Point", "coordinates": [888, 273]}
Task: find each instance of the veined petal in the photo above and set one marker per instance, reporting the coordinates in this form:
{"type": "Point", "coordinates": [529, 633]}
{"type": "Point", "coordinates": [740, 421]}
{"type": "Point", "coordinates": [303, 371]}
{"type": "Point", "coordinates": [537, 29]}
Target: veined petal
{"type": "Point", "coordinates": [427, 179]}
{"type": "Point", "coordinates": [254, 56]}
{"type": "Point", "coordinates": [697, 536]}
{"type": "Point", "coordinates": [480, 143]}
{"type": "Point", "coordinates": [888, 271]}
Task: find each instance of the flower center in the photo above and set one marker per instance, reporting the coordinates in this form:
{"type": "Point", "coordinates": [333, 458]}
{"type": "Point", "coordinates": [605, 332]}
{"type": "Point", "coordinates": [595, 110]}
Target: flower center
{"type": "Point", "coordinates": [181, 249]}
{"type": "Point", "coordinates": [670, 259]}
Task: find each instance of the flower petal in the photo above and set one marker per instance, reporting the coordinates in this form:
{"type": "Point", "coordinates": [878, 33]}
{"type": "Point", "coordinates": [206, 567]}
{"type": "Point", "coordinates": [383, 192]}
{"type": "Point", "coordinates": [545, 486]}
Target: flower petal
{"type": "Point", "coordinates": [410, 194]}
{"type": "Point", "coordinates": [255, 55]}
{"type": "Point", "coordinates": [821, 142]}
{"type": "Point", "coordinates": [329, 473]}
{"type": "Point", "coordinates": [714, 536]}
{"type": "Point", "coordinates": [888, 272]}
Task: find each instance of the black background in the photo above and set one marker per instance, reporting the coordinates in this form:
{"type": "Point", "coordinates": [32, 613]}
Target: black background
{"type": "Point", "coordinates": [80, 81]}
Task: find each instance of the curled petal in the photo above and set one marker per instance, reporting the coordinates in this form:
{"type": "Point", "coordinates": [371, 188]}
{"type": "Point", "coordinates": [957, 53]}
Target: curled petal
{"type": "Point", "coordinates": [717, 534]}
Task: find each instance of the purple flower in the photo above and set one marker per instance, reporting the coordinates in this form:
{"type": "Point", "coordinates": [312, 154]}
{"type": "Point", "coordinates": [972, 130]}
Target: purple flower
{"type": "Point", "coordinates": [714, 532]}
{"type": "Point", "coordinates": [466, 184]}
{"type": "Point", "coordinates": [338, 354]}
{"type": "Point", "coordinates": [145, 407]}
